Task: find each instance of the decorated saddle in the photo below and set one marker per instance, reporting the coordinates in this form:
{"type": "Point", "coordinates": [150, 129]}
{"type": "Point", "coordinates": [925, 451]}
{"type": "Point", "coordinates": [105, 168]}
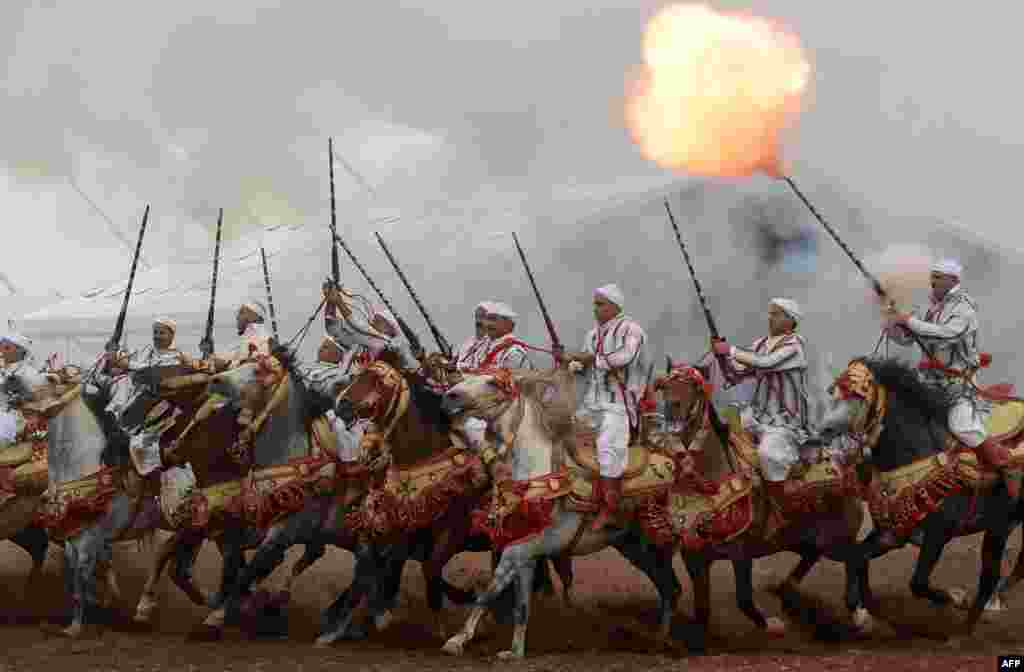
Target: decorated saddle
{"type": "Point", "coordinates": [23, 470]}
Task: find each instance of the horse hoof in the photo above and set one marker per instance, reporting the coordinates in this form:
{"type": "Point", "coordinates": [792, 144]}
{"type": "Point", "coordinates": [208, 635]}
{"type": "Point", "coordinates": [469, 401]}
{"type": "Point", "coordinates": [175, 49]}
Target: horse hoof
{"type": "Point", "coordinates": [51, 629]}
{"type": "Point", "coordinates": [995, 606]}
{"type": "Point", "coordinates": [205, 633]}
{"type": "Point", "coordinates": [454, 646]}
{"type": "Point", "coordinates": [383, 620]}
{"type": "Point", "coordinates": [863, 621]}
{"type": "Point", "coordinates": [323, 642]}
{"type": "Point", "coordinates": [958, 597]}
{"type": "Point", "coordinates": [509, 655]}
{"type": "Point", "coordinates": [775, 627]}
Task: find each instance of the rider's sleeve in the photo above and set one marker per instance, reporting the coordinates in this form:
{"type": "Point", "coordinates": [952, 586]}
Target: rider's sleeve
{"type": "Point", "coordinates": [766, 361]}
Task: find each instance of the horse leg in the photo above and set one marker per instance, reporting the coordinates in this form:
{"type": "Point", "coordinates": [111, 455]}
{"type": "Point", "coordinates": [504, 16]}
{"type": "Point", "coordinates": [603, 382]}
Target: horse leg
{"type": "Point", "coordinates": [524, 592]}
{"type": "Point", "coordinates": [563, 566]}
{"type": "Point", "coordinates": [338, 620]}
{"type": "Point", "coordinates": [185, 550]}
{"type": "Point", "coordinates": [232, 546]}
{"type": "Point", "coordinates": [695, 633]}
{"type": "Point", "coordinates": [992, 549]}
{"type": "Point", "coordinates": [657, 565]}
{"type": "Point", "coordinates": [85, 551]}
{"type": "Point", "coordinates": [934, 543]}
{"type": "Point", "coordinates": [158, 561]}
{"type": "Point", "coordinates": [513, 559]}
{"type": "Point", "coordinates": [743, 572]}
{"type": "Point", "coordinates": [809, 557]}
{"type": "Point", "coordinates": [35, 542]}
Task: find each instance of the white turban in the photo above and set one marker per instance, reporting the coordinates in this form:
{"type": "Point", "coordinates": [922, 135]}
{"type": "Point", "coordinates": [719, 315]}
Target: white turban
{"type": "Point", "coordinates": [256, 307]}
{"type": "Point", "coordinates": [167, 322]}
{"type": "Point", "coordinates": [948, 267]}
{"type": "Point", "coordinates": [385, 314]}
{"type": "Point", "coordinates": [23, 342]}
{"type": "Point", "coordinates": [789, 306]}
{"type": "Point", "coordinates": [611, 293]}
{"type": "Point", "coordinates": [502, 310]}
{"type": "Point", "coordinates": [486, 306]}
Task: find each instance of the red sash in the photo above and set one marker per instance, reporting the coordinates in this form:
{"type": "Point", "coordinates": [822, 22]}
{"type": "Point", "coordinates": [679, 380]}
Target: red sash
{"type": "Point", "coordinates": [492, 356]}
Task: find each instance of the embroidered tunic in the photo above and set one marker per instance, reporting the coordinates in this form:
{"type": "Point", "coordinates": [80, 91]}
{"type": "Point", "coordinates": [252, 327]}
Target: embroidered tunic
{"type": "Point", "coordinates": [471, 353]}
{"type": "Point", "coordinates": [355, 332]}
{"type": "Point", "coordinates": [507, 352]}
{"type": "Point", "coordinates": [617, 374]}
{"type": "Point", "coordinates": [949, 329]}
{"type": "Point", "coordinates": [778, 364]}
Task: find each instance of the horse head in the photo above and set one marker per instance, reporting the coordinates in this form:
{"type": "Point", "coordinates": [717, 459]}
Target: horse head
{"type": "Point", "coordinates": [528, 411]}
{"type": "Point", "coordinates": [892, 414]}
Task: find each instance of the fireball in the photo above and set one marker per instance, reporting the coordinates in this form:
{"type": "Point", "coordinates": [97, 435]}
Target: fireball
{"type": "Point", "coordinates": [715, 91]}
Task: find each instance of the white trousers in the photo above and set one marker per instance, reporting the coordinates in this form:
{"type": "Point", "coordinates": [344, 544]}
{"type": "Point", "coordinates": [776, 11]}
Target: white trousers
{"type": "Point", "coordinates": [8, 427]}
{"type": "Point", "coordinates": [349, 438]}
{"type": "Point", "coordinates": [175, 484]}
{"type": "Point", "coordinates": [476, 430]}
{"type": "Point", "coordinates": [777, 451]}
{"type": "Point", "coordinates": [967, 423]}
{"type": "Point", "coordinates": [612, 425]}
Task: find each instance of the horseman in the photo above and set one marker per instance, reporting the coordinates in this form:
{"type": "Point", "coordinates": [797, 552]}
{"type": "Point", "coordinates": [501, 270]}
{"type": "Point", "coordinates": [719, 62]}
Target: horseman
{"type": "Point", "coordinates": [334, 369]}
{"type": "Point", "coordinates": [949, 330]}
{"type": "Point", "coordinates": [161, 353]}
{"type": "Point", "coordinates": [777, 416]}
{"type": "Point", "coordinates": [370, 329]}
{"type": "Point", "coordinates": [504, 350]}
{"type": "Point", "coordinates": [15, 352]}
{"type": "Point", "coordinates": [612, 363]}
{"type": "Point", "coordinates": [254, 338]}
{"type": "Point", "coordinates": [474, 349]}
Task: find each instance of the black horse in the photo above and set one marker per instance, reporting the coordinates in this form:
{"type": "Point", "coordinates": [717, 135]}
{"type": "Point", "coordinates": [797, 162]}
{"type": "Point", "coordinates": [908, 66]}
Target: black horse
{"type": "Point", "coordinates": [914, 426]}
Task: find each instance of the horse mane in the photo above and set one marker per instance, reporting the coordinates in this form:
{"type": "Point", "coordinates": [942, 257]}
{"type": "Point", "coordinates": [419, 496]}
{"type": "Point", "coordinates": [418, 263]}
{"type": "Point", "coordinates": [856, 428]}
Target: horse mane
{"type": "Point", "coordinates": [556, 411]}
{"type": "Point", "coordinates": [932, 402]}
{"type": "Point", "coordinates": [426, 401]}
{"type": "Point", "coordinates": [916, 418]}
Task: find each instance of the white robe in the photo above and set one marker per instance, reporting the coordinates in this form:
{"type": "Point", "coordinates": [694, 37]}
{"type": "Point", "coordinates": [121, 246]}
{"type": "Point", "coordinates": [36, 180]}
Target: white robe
{"type": "Point", "coordinates": [610, 405]}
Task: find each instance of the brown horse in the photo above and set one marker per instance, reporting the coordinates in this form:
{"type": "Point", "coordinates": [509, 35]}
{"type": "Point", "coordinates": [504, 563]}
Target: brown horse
{"type": "Point", "coordinates": [825, 526]}
{"type": "Point", "coordinates": [432, 523]}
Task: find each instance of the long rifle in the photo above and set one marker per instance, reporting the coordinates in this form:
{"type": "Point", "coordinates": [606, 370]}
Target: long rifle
{"type": "Point", "coordinates": [335, 265]}
{"type": "Point", "coordinates": [721, 429]}
{"type": "Point", "coordinates": [875, 284]}
{"type": "Point", "coordinates": [556, 345]}
{"type": "Point", "coordinates": [270, 295]}
{"type": "Point", "coordinates": [410, 335]}
{"type": "Point", "coordinates": [442, 342]}
{"type": "Point", "coordinates": [115, 340]}
{"type": "Point", "coordinates": [206, 345]}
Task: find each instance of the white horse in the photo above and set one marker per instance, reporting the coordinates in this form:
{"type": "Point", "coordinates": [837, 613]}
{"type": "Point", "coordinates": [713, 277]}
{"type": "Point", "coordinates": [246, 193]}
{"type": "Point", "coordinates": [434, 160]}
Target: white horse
{"type": "Point", "coordinates": [531, 413]}
{"type": "Point", "coordinates": [78, 450]}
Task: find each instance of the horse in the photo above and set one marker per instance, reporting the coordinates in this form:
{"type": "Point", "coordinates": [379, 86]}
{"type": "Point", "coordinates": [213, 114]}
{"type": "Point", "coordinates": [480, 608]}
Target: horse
{"type": "Point", "coordinates": [93, 496]}
{"type": "Point", "coordinates": [531, 415]}
{"type": "Point", "coordinates": [420, 436]}
{"type": "Point", "coordinates": [827, 526]}
{"type": "Point", "coordinates": [284, 409]}
{"type": "Point", "coordinates": [902, 423]}
{"type": "Point", "coordinates": [186, 389]}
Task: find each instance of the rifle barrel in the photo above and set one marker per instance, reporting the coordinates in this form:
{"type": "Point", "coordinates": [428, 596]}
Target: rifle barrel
{"type": "Point", "coordinates": [442, 342]}
{"type": "Point", "coordinates": [115, 339]}
{"type": "Point", "coordinates": [555, 342]}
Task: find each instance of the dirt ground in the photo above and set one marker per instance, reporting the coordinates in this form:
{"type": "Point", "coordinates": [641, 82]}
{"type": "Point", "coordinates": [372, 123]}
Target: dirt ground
{"type": "Point", "coordinates": [609, 594]}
